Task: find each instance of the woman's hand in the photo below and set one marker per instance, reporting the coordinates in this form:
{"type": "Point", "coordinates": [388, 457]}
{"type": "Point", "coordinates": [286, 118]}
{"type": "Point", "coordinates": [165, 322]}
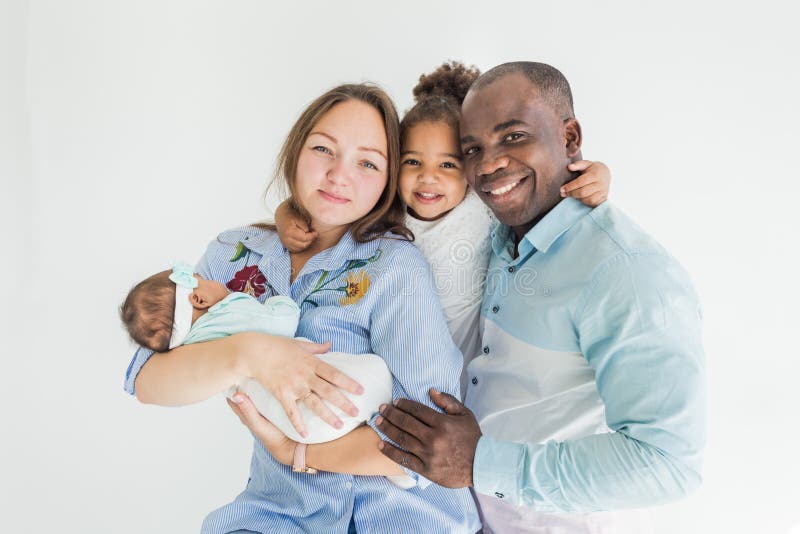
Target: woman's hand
{"type": "Point", "coordinates": [275, 441]}
{"type": "Point", "coordinates": [591, 187]}
{"type": "Point", "coordinates": [355, 453]}
{"type": "Point", "coordinates": [288, 369]}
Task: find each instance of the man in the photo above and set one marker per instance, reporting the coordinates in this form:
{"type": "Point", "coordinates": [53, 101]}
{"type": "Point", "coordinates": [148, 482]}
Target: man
{"type": "Point", "coordinates": [590, 392]}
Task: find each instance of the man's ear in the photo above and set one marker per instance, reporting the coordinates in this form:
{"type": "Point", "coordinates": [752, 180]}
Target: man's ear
{"type": "Point", "coordinates": [199, 301]}
{"type": "Point", "coordinates": [573, 138]}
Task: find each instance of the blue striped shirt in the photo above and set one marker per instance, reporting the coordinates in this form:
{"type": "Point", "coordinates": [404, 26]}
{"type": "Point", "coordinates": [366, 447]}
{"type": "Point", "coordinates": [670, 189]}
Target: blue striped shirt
{"type": "Point", "coordinates": [376, 297]}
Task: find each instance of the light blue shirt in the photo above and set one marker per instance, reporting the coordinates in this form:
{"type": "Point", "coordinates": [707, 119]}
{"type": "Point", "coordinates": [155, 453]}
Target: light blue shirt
{"type": "Point", "coordinates": [376, 297]}
{"type": "Point", "coordinates": [591, 387]}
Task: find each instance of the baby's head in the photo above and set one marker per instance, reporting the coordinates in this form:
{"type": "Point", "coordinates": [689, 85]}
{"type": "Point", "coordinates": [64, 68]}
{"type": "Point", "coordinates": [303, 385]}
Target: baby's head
{"type": "Point", "coordinates": [432, 179]}
{"type": "Point", "coordinates": [159, 310]}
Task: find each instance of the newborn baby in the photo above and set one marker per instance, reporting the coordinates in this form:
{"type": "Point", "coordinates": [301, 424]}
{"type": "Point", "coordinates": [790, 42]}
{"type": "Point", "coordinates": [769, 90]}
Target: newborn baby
{"type": "Point", "coordinates": [179, 307]}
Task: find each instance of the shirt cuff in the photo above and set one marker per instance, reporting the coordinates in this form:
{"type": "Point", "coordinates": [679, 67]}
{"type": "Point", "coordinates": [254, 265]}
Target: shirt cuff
{"type": "Point", "coordinates": [497, 468]}
{"type": "Point", "coordinates": [420, 480]}
{"type": "Point", "coordinates": [138, 361]}
{"type": "Point", "coordinates": [517, 473]}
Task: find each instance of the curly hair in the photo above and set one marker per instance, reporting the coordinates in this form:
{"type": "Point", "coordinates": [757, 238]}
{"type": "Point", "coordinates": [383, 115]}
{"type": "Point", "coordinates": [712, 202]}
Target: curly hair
{"type": "Point", "coordinates": [439, 95]}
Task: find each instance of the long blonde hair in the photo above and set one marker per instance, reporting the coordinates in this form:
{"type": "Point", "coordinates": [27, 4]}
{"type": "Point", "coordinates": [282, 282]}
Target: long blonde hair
{"type": "Point", "coordinates": [388, 213]}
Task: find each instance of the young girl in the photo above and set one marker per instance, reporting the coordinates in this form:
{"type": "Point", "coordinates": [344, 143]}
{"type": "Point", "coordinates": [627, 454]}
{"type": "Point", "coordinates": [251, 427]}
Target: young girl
{"type": "Point", "coordinates": [363, 286]}
{"type": "Point", "coordinates": [451, 225]}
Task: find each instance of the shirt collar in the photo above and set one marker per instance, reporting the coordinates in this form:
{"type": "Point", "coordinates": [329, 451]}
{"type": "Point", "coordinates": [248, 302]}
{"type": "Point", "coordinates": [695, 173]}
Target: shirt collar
{"type": "Point", "coordinates": [556, 223]}
{"type": "Point", "coordinates": [345, 250]}
{"type": "Point", "coordinates": [544, 233]}
{"type": "Point", "coordinates": [265, 242]}
{"type": "Point", "coordinates": [500, 239]}
{"type": "Point", "coordinates": [269, 246]}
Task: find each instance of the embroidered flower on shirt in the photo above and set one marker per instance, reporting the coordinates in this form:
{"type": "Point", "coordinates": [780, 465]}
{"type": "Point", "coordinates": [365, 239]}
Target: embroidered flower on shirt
{"type": "Point", "coordinates": [249, 279]}
{"type": "Point", "coordinates": [357, 286]}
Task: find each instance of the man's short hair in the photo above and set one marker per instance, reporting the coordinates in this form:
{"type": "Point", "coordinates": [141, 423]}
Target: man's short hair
{"type": "Point", "coordinates": [552, 85]}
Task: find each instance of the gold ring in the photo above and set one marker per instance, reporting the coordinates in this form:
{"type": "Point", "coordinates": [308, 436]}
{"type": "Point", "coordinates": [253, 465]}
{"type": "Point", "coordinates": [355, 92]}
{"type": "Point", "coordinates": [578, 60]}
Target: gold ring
{"type": "Point", "coordinates": [306, 396]}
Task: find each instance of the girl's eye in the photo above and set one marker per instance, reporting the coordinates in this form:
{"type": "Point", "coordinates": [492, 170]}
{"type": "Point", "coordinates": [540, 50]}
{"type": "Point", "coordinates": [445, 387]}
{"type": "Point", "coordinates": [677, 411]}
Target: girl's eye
{"type": "Point", "coordinates": [448, 165]}
{"type": "Point", "coordinates": [512, 136]}
{"type": "Point", "coordinates": [411, 161]}
{"type": "Point", "coordinates": [369, 165]}
{"type": "Point", "coordinates": [323, 149]}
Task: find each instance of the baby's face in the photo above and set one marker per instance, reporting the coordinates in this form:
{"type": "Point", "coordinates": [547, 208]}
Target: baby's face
{"type": "Point", "coordinates": [211, 290]}
{"type": "Point", "coordinates": [431, 171]}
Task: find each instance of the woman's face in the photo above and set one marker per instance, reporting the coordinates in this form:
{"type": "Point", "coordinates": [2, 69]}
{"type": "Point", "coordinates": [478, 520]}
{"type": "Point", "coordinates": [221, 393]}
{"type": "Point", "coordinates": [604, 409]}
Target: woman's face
{"type": "Point", "coordinates": [431, 172]}
{"type": "Point", "coordinates": [343, 167]}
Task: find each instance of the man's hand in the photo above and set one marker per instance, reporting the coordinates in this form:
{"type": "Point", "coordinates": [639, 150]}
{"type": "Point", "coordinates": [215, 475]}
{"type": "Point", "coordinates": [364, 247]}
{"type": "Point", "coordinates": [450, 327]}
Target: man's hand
{"type": "Point", "coordinates": [439, 446]}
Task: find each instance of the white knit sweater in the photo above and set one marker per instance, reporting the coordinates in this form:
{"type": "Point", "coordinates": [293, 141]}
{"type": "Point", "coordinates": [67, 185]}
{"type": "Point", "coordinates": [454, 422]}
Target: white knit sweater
{"type": "Point", "coordinates": [458, 248]}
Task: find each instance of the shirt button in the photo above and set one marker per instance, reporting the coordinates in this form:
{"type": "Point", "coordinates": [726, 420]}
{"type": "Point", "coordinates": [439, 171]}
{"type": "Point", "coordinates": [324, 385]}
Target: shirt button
{"type": "Point", "coordinates": [495, 309]}
{"type": "Point", "coordinates": [486, 349]}
{"type": "Point", "coordinates": [474, 380]}
{"type": "Point", "coordinates": [348, 485]}
{"type": "Point", "coordinates": [498, 495]}
{"type": "Point", "coordinates": [511, 269]}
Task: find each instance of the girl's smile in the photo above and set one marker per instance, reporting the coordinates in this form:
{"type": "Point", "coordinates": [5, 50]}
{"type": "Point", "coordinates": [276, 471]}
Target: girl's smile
{"type": "Point", "coordinates": [428, 198]}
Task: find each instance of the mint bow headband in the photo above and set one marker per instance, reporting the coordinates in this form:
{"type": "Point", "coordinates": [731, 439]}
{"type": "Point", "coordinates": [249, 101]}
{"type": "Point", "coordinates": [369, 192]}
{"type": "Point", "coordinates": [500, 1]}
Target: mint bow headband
{"type": "Point", "coordinates": [183, 275]}
{"type": "Point", "coordinates": [185, 283]}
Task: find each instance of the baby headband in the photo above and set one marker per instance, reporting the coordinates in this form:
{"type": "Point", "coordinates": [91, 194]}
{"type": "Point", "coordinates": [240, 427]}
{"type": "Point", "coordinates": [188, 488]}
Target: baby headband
{"type": "Point", "coordinates": [185, 283]}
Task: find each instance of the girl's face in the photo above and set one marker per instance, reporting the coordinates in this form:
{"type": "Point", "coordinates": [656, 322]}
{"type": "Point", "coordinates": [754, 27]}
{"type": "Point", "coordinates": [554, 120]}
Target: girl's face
{"type": "Point", "coordinates": [431, 173]}
{"type": "Point", "coordinates": [342, 168]}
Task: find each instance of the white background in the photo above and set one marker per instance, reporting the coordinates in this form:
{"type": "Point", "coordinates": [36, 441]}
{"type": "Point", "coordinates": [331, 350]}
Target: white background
{"type": "Point", "coordinates": [132, 132]}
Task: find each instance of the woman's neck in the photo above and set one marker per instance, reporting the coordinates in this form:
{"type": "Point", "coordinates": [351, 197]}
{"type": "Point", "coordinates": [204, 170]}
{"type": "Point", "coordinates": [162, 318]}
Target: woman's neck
{"type": "Point", "coordinates": [327, 237]}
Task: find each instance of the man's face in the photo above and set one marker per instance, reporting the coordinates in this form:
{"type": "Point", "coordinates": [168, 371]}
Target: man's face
{"type": "Point", "coordinates": [516, 149]}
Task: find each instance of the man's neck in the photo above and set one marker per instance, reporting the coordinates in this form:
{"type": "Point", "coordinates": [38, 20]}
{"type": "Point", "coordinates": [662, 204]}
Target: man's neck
{"type": "Point", "coordinates": [522, 229]}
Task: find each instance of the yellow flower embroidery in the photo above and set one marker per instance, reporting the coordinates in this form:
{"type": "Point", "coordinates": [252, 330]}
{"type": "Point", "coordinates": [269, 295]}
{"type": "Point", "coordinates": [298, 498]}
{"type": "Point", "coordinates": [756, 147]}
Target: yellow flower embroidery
{"type": "Point", "coordinates": [357, 286]}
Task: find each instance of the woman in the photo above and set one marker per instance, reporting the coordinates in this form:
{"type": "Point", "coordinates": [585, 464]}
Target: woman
{"type": "Point", "coordinates": [364, 287]}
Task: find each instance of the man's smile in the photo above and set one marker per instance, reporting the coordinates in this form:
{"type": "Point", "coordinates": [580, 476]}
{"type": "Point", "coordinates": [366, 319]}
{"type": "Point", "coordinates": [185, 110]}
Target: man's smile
{"type": "Point", "coordinates": [502, 189]}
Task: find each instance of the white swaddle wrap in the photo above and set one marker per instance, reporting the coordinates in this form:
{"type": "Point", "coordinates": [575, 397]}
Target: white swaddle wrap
{"type": "Point", "coordinates": [279, 315]}
{"type": "Point", "coordinates": [366, 369]}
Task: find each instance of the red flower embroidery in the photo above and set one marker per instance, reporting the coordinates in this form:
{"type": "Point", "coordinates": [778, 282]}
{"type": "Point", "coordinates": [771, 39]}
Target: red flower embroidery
{"type": "Point", "coordinates": [249, 280]}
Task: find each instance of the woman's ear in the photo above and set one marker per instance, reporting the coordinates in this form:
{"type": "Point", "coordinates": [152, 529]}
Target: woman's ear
{"type": "Point", "coordinates": [573, 138]}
